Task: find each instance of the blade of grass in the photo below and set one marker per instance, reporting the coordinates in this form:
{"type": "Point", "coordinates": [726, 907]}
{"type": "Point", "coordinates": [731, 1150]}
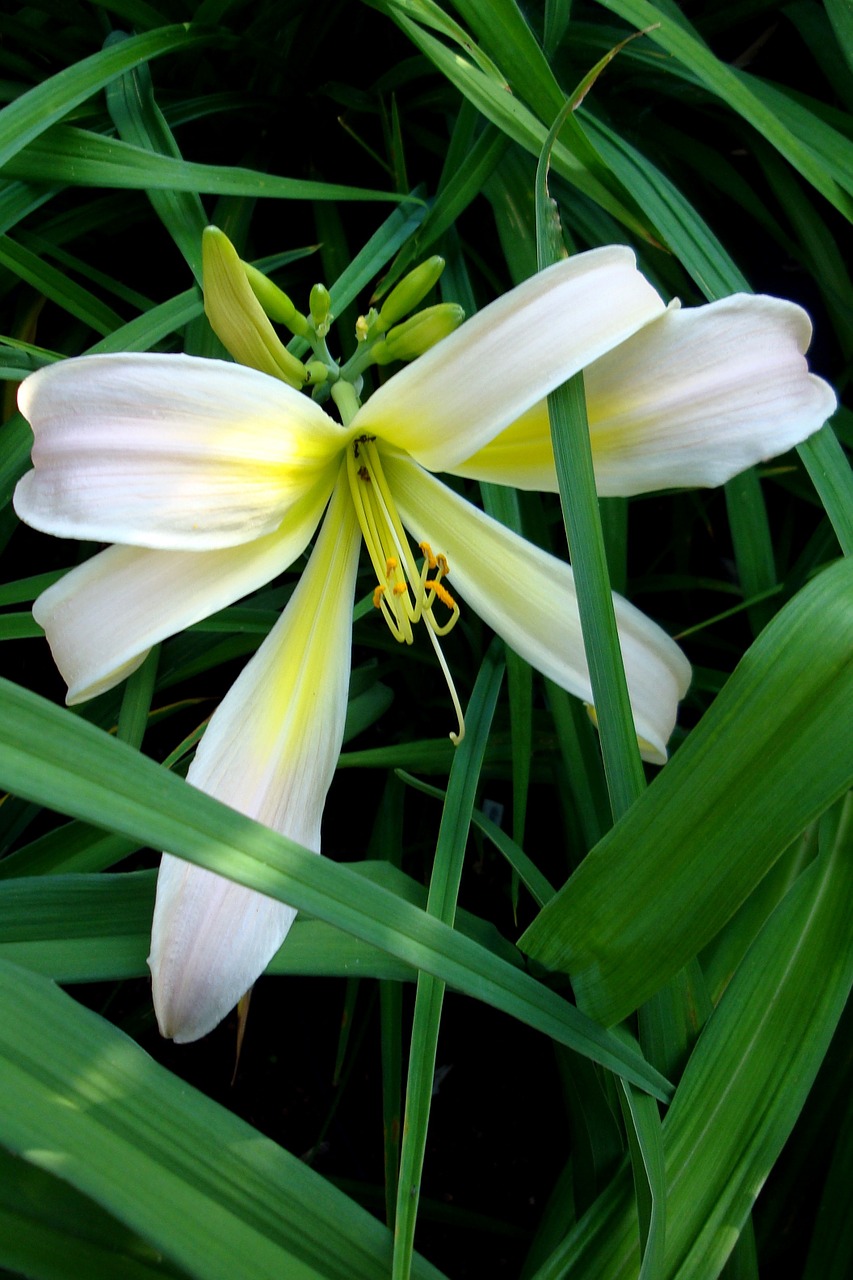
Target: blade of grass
{"type": "Point", "coordinates": [830, 473]}
{"type": "Point", "coordinates": [753, 544]}
{"type": "Point", "coordinates": [579, 501]}
{"type": "Point", "coordinates": [441, 904]}
{"type": "Point", "coordinates": [527, 871]}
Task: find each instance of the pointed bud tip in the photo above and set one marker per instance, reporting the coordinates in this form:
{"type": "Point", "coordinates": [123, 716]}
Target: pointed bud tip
{"type": "Point", "coordinates": [411, 290]}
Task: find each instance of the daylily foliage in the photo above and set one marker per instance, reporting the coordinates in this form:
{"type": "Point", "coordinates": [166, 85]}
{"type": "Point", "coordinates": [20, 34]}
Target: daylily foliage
{"type": "Point", "coordinates": [211, 478]}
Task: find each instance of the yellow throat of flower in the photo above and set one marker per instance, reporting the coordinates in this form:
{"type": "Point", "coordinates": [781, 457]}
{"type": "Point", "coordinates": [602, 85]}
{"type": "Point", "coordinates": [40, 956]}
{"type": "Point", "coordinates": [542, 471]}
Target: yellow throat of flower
{"type": "Point", "coordinates": [405, 594]}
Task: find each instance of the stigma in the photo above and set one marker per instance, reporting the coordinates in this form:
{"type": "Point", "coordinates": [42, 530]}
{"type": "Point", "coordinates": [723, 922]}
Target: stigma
{"type": "Point", "coordinates": [405, 593]}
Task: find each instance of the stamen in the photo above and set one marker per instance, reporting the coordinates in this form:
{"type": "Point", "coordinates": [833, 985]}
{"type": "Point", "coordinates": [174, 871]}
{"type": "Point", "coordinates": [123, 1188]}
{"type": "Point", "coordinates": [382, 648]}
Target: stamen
{"type": "Point", "coordinates": [430, 558]}
{"type": "Point", "coordinates": [443, 594]}
{"type": "Point", "coordinates": [404, 593]}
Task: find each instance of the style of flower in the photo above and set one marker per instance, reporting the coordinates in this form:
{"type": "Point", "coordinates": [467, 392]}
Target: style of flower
{"type": "Point", "coordinates": [211, 479]}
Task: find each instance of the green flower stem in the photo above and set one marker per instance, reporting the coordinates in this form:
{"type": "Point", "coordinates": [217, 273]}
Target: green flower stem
{"type": "Point", "coordinates": [344, 396]}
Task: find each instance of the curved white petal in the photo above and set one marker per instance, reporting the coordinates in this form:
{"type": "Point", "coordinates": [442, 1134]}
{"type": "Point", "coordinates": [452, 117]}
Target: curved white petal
{"type": "Point", "coordinates": [692, 399]}
{"type": "Point", "coordinates": [459, 395]}
{"type": "Point", "coordinates": [167, 451]}
{"type": "Point", "coordinates": [102, 617]}
{"type": "Point", "coordinates": [528, 598]}
{"type": "Point", "coordinates": [270, 751]}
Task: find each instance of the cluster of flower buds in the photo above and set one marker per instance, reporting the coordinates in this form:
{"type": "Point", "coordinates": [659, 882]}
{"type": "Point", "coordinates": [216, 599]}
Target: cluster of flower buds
{"type": "Point", "coordinates": [241, 303]}
{"type": "Point", "coordinates": [382, 339]}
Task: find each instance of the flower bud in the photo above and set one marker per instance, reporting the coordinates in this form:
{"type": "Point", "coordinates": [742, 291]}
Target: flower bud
{"type": "Point", "coordinates": [419, 333]}
{"type": "Point", "coordinates": [406, 295]}
{"type": "Point", "coordinates": [275, 302]}
{"type": "Point", "coordinates": [237, 317]}
{"type": "Point", "coordinates": [321, 309]}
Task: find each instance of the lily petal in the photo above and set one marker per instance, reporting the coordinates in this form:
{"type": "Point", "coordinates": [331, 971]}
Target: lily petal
{"type": "Point", "coordinates": [692, 399]}
{"type": "Point", "coordinates": [528, 598]}
{"type": "Point", "coordinates": [167, 451]}
{"type": "Point", "coordinates": [270, 751]}
{"type": "Point", "coordinates": [102, 617]}
{"type": "Point", "coordinates": [459, 395]}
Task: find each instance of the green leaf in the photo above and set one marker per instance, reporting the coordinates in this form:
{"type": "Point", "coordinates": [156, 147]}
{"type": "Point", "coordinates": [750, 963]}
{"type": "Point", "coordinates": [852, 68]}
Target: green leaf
{"type": "Point", "coordinates": [54, 284]}
{"type": "Point", "coordinates": [743, 1088]}
{"type": "Point", "coordinates": [49, 755]}
{"type": "Point", "coordinates": [79, 1098]}
{"type": "Point", "coordinates": [96, 928]}
{"type": "Point", "coordinates": [679, 40]}
{"type": "Point", "coordinates": [775, 749]}
{"type": "Point", "coordinates": [49, 1231]}
{"type": "Point", "coordinates": [642, 1121]}
{"type": "Point", "coordinates": [69, 154]}
{"type": "Point", "coordinates": [840, 13]}
{"type": "Point", "coordinates": [488, 93]}
{"type": "Point", "coordinates": [138, 119]}
{"type": "Point", "coordinates": [39, 108]}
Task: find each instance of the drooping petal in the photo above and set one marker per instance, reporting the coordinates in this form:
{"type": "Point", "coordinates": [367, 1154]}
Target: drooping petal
{"type": "Point", "coordinates": [167, 451]}
{"type": "Point", "coordinates": [102, 617]}
{"type": "Point", "coordinates": [692, 399]}
{"type": "Point", "coordinates": [270, 751]}
{"type": "Point", "coordinates": [528, 598]}
{"type": "Point", "coordinates": [447, 404]}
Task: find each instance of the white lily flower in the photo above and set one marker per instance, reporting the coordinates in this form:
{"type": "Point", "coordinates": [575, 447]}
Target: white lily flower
{"type": "Point", "coordinates": [212, 478]}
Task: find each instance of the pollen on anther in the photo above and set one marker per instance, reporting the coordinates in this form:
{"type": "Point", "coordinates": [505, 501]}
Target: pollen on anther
{"type": "Point", "coordinates": [378, 593]}
{"type": "Point", "coordinates": [430, 558]}
{"type": "Point", "coordinates": [400, 589]}
{"type": "Point", "coordinates": [443, 594]}
{"type": "Point", "coordinates": [390, 565]}
{"type": "Point", "coordinates": [441, 561]}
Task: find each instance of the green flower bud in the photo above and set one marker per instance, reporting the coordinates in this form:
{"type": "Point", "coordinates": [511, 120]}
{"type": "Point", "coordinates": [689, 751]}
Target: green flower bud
{"type": "Point", "coordinates": [275, 302]}
{"type": "Point", "coordinates": [321, 309]}
{"type": "Point", "coordinates": [416, 335]}
{"type": "Point", "coordinates": [316, 372]}
{"type": "Point", "coordinates": [237, 317]}
{"type": "Point", "coordinates": [406, 295]}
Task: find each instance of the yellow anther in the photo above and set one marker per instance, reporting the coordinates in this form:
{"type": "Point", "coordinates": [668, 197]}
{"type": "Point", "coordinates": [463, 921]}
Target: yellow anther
{"type": "Point", "coordinates": [378, 593]}
{"type": "Point", "coordinates": [443, 566]}
{"type": "Point", "coordinates": [430, 558]}
{"type": "Point", "coordinates": [391, 564]}
{"type": "Point", "coordinates": [443, 594]}
{"type": "Point", "coordinates": [400, 589]}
